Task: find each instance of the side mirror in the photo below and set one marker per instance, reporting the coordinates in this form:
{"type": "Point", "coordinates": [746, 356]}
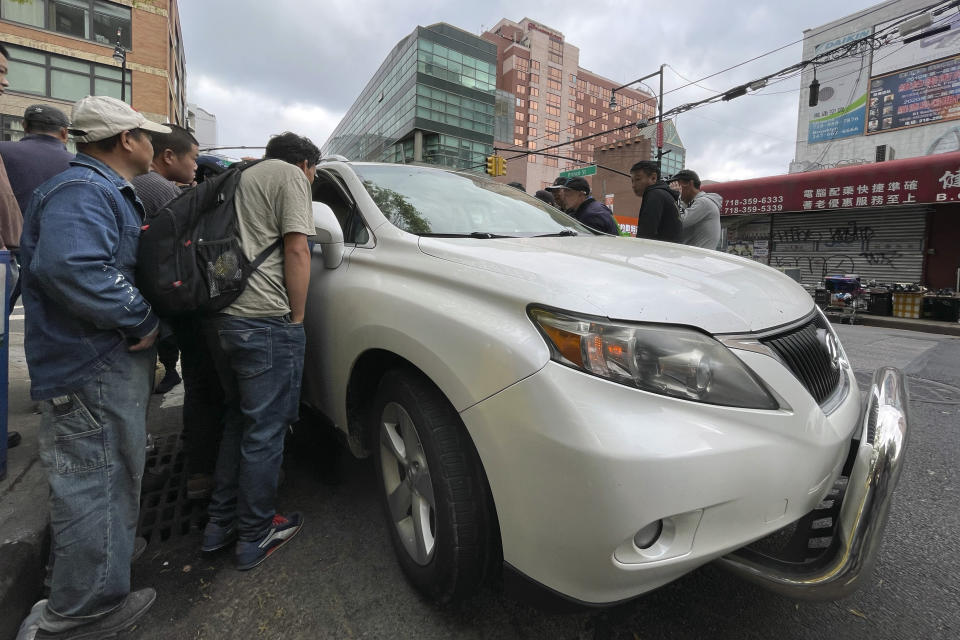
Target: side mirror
{"type": "Point", "coordinates": [328, 240]}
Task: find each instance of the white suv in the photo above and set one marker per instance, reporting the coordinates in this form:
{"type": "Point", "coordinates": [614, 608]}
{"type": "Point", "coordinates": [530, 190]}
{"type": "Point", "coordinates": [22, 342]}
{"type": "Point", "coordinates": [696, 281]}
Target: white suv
{"type": "Point", "coordinates": [597, 415]}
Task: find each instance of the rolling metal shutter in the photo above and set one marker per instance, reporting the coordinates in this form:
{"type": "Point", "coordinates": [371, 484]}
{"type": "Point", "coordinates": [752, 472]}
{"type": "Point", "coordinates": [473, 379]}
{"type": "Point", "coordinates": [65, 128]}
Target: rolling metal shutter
{"type": "Point", "coordinates": [886, 245]}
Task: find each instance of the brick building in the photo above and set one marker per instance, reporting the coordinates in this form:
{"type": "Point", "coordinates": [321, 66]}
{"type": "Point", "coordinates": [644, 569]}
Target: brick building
{"type": "Point", "coordinates": [620, 156]}
{"type": "Point", "coordinates": [62, 50]}
{"type": "Point", "coordinates": [554, 101]}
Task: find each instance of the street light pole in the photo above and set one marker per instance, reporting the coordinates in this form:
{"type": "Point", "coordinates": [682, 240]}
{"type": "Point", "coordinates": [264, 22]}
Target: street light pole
{"type": "Point", "coordinates": [120, 55]}
{"type": "Point", "coordinates": [613, 105]}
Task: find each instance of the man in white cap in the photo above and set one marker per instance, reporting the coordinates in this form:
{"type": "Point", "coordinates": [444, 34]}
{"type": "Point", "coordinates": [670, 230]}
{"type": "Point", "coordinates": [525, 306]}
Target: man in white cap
{"type": "Point", "coordinates": [89, 338]}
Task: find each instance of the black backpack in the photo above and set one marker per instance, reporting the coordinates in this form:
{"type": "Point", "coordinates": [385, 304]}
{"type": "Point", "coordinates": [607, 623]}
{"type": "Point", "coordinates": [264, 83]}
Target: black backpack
{"type": "Point", "coordinates": [190, 258]}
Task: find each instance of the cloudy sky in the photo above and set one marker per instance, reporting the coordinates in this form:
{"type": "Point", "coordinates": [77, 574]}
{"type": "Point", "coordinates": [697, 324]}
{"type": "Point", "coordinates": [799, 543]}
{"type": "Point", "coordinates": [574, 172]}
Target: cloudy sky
{"type": "Point", "coordinates": [298, 65]}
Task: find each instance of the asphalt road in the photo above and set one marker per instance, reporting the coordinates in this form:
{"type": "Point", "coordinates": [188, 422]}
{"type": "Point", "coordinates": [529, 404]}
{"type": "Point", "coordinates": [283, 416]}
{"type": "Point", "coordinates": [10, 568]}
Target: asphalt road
{"type": "Point", "coordinates": [339, 579]}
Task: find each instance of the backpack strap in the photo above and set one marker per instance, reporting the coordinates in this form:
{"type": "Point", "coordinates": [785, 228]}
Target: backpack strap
{"type": "Point", "coordinates": [264, 255]}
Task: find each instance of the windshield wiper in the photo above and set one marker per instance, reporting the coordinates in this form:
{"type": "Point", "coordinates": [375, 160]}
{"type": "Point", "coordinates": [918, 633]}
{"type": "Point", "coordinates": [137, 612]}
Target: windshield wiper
{"type": "Point", "coordinates": [483, 235]}
{"type": "Point", "coordinates": [565, 232]}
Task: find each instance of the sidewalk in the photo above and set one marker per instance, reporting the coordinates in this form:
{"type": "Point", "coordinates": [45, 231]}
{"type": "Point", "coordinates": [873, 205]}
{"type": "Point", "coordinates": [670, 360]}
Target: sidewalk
{"type": "Point", "coordinates": [24, 518]}
{"type": "Point", "coordinates": [908, 324]}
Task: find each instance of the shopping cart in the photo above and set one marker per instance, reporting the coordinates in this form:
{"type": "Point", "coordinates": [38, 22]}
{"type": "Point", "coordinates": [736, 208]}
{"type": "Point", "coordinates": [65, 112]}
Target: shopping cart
{"type": "Point", "coordinates": [846, 297]}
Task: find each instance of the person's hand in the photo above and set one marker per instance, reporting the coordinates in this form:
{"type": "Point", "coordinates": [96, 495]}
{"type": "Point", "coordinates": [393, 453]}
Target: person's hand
{"type": "Point", "coordinates": [146, 341]}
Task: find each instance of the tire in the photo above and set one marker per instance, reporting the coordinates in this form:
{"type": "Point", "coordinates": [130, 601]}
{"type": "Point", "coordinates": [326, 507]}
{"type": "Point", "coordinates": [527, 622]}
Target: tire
{"type": "Point", "coordinates": [432, 488]}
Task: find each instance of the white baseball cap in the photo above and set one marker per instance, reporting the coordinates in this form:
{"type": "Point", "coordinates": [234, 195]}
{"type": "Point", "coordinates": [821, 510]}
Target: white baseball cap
{"type": "Point", "coordinates": [99, 117]}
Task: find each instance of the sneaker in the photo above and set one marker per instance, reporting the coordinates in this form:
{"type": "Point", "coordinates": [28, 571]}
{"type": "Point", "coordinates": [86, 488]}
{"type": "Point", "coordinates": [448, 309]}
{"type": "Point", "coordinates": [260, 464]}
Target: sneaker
{"type": "Point", "coordinates": [253, 552]}
{"type": "Point", "coordinates": [217, 536]}
{"type": "Point", "coordinates": [43, 624]}
{"type": "Point", "coordinates": [170, 379]}
{"type": "Point", "coordinates": [199, 486]}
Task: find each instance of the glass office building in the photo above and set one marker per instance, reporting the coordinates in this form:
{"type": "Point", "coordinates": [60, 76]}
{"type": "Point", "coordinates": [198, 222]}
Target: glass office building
{"type": "Point", "coordinates": [432, 100]}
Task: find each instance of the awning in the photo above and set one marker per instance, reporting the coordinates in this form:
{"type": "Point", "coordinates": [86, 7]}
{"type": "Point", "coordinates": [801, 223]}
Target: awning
{"type": "Point", "coordinates": [913, 181]}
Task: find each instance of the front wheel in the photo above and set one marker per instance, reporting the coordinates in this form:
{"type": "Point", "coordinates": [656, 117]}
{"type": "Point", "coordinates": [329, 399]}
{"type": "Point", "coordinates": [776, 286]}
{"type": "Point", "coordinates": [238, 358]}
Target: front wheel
{"type": "Point", "coordinates": [432, 487]}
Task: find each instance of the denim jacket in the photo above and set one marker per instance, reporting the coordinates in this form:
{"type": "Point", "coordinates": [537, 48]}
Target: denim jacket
{"type": "Point", "coordinates": [81, 234]}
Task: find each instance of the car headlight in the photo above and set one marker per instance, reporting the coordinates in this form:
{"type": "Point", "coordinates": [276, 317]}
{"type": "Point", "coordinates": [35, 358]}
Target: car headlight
{"type": "Point", "coordinates": [672, 361]}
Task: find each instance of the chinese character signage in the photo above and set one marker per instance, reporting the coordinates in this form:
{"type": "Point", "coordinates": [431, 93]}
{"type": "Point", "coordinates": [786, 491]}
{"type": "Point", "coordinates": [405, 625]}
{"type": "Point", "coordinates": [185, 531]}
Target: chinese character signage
{"type": "Point", "coordinates": [841, 110]}
{"type": "Point", "coordinates": [914, 181]}
{"type": "Point", "coordinates": [917, 96]}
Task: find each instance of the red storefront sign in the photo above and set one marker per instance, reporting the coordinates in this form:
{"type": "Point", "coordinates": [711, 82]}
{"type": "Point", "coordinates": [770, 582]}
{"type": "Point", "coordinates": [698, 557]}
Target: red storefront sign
{"type": "Point", "coordinates": [928, 179]}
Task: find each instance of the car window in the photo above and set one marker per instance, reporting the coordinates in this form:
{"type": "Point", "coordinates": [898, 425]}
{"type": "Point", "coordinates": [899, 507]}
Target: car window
{"type": "Point", "coordinates": [327, 190]}
{"type": "Point", "coordinates": [424, 200]}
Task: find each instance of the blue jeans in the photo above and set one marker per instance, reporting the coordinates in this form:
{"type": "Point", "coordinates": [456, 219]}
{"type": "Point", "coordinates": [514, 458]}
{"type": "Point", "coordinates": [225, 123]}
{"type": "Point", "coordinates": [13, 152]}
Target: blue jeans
{"type": "Point", "coordinates": [93, 445]}
{"type": "Point", "coordinates": [260, 363]}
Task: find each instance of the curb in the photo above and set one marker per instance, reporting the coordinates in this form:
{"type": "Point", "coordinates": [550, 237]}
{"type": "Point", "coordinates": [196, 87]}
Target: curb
{"type": "Point", "coordinates": [24, 545]}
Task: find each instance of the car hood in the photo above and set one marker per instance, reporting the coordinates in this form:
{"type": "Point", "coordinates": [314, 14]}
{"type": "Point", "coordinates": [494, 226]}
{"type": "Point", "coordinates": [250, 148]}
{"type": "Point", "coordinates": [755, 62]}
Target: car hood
{"type": "Point", "coordinates": [639, 280]}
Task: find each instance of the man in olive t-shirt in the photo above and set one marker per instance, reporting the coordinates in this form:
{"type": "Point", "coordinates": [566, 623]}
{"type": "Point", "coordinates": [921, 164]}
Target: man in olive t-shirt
{"type": "Point", "coordinates": [258, 348]}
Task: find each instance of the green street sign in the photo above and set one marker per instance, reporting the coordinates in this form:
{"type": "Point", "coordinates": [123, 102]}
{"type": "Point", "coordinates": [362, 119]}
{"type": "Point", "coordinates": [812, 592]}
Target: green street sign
{"type": "Point", "coordinates": [579, 173]}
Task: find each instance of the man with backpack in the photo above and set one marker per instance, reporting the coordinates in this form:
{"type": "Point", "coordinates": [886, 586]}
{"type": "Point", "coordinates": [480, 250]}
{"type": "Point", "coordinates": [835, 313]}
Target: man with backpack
{"type": "Point", "coordinates": [175, 163]}
{"type": "Point", "coordinates": [258, 348]}
{"type": "Point", "coordinates": [89, 338]}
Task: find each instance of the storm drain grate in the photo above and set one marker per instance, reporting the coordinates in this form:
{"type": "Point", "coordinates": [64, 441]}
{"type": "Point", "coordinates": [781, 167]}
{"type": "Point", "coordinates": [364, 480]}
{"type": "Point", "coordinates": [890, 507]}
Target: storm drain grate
{"type": "Point", "coordinates": [165, 510]}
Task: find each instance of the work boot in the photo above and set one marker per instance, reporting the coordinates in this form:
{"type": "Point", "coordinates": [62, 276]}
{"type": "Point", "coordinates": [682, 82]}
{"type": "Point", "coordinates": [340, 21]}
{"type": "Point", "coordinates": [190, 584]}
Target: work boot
{"type": "Point", "coordinates": [43, 624]}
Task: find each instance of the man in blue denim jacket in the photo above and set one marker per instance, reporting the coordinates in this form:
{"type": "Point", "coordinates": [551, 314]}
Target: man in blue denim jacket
{"type": "Point", "coordinates": [89, 344]}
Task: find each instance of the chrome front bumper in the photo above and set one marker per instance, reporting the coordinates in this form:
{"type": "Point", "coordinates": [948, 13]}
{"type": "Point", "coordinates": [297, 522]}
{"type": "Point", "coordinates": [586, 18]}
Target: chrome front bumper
{"type": "Point", "coordinates": [848, 561]}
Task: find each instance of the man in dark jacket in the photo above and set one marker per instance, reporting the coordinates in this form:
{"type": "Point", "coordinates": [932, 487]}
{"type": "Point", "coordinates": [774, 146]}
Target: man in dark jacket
{"type": "Point", "coordinates": [40, 154]}
{"type": "Point", "coordinates": [579, 204]}
{"type": "Point", "coordinates": [659, 217]}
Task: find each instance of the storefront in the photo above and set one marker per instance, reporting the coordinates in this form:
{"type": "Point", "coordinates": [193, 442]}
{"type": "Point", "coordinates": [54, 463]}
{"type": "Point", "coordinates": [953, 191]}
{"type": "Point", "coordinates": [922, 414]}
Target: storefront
{"type": "Point", "coordinates": [896, 221]}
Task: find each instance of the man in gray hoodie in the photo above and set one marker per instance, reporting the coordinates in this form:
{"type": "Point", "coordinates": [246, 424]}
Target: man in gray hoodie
{"type": "Point", "coordinates": [701, 216]}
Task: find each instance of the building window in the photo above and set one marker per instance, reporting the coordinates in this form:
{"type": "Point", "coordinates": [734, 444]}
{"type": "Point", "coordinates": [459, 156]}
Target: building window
{"type": "Point", "coordinates": [555, 85]}
{"type": "Point", "coordinates": [579, 119]}
{"type": "Point", "coordinates": [534, 105]}
{"type": "Point", "coordinates": [63, 78]}
{"type": "Point", "coordinates": [531, 131]}
{"type": "Point", "coordinates": [518, 142]}
{"type": "Point", "coordinates": [606, 116]}
{"type": "Point", "coordinates": [532, 144]}
{"type": "Point", "coordinates": [533, 118]}
{"type": "Point", "coordinates": [534, 92]}
{"type": "Point", "coordinates": [94, 20]}
{"type": "Point", "coordinates": [554, 73]}
{"type": "Point", "coordinates": [550, 162]}
{"type": "Point", "coordinates": [520, 116]}
{"type": "Point", "coordinates": [518, 129]}
{"type": "Point", "coordinates": [553, 137]}
{"type": "Point", "coordinates": [521, 90]}
{"type": "Point", "coordinates": [532, 159]}
{"type": "Point", "coordinates": [522, 76]}
{"type": "Point", "coordinates": [572, 103]}
{"type": "Point", "coordinates": [12, 128]}
{"type": "Point", "coordinates": [553, 111]}
{"type": "Point", "coordinates": [553, 99]}
{"type": "Point", "coordinates": [553, 125]}
{"type": "Point", "coordinates": [534, 78]}
{"type": "Point", "coordinates": [593, 113]}
{"type": "Point", "coordinates": [535, 65]}
{"type": "Point", "coordinates": [521, 102]}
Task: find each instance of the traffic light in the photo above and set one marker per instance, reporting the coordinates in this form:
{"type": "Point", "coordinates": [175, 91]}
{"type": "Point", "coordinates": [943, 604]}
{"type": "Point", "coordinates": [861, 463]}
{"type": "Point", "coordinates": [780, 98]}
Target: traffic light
{"type": "Point", "coordinates": [496, 165]}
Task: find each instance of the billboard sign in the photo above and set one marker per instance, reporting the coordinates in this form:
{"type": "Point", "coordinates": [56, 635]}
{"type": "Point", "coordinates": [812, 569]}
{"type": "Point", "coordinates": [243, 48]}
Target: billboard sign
{"type": "Point", "coordinates": [921, 95]}
{"type": "Point", "coordinates": [841, 110]}
{"type": "Point", "coordinates": [898, 56]}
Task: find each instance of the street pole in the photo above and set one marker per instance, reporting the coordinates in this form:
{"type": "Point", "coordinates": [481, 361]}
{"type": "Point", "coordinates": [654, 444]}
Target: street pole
{"type": "Point", "coordinates": [660, 125]}
{"type": "Point", "coordinates": [120, 55]}
{"type": "Point", "coordinates": [613, 104]}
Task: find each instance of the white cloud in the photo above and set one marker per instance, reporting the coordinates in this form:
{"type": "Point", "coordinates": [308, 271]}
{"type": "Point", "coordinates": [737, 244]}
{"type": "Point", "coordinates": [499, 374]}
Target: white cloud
{"type": "Point", "coordinates": [248, 118]}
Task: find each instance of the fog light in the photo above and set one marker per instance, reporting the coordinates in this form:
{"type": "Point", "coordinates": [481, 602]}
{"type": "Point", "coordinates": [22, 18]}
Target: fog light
{"type": "Point", "coordinates": [645, 538]}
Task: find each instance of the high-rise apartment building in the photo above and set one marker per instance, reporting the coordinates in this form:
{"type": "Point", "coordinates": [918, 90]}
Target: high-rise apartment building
{"type": "Point", "coordinates": [63, 50]}
{"type": "Point", "coordinates": [556, 101]}
{"type": "Point", "coordinates": [432, 100]}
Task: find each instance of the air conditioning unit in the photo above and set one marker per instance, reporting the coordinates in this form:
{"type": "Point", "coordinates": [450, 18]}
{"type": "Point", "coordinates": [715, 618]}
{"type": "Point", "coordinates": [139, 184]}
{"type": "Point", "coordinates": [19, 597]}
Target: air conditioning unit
{"type": "Point", "coordinates": [884, 152]}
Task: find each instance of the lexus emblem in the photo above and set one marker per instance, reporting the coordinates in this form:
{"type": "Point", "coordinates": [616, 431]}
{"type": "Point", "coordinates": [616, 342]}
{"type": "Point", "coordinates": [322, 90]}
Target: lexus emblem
{"type": "Point", "coordinates": [829, 343]}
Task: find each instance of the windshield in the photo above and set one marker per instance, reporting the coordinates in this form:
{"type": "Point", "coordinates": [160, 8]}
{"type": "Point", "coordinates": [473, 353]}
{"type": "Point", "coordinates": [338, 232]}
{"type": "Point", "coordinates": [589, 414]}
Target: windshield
{"type": "Point", "coordinates": [428, 201]}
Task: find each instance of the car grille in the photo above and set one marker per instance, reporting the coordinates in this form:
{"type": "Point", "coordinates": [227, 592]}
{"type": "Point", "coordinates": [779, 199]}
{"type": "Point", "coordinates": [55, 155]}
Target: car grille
{"type": "Point", "coordinates": [805, 353]}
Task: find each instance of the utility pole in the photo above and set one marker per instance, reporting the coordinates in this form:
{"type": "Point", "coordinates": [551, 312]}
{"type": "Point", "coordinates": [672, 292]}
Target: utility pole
{"type": "Point", "coordinates": [613, 105]}
{"type": "Point", "coordinates": [120, 55]}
